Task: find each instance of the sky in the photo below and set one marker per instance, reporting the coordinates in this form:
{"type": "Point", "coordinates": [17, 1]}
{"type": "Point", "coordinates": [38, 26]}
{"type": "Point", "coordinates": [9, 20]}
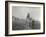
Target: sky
{"type": "Point", "coordinates": [21, 12]}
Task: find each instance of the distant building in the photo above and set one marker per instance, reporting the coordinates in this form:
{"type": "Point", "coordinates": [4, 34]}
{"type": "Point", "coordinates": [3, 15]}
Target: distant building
{"type": "Point", "coordinates": [28, 21]}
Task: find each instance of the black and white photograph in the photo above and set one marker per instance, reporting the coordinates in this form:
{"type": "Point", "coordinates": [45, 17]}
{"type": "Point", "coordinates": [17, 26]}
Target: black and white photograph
{"type": "Point", "coordinates": [25, 18]}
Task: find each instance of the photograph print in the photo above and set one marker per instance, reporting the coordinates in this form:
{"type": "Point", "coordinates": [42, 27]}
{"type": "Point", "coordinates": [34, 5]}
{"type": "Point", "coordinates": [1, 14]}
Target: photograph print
{"type": "Point", "coordinates": [25, 18]}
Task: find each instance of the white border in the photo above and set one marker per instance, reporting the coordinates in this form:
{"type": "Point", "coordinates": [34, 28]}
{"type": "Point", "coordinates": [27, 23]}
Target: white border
{"type": "Point", "coordinates": [23, 31]}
